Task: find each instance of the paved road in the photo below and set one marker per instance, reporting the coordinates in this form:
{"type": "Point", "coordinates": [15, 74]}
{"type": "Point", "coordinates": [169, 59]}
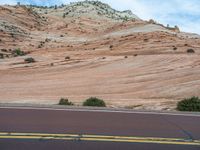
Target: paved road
{"type": "Point", "coordinates": [41, 129]}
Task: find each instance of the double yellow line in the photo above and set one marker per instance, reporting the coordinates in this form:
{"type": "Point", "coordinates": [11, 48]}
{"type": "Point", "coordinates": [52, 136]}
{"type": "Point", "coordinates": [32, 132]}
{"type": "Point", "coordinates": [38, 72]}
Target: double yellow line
{"type": "Point", "coordinates": [77, 137]}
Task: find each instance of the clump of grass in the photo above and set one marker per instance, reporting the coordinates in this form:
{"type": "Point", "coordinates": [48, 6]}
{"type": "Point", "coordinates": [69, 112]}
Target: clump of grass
{"type": "Point", "coordinates": [65, 101]}
{"type": "Point", "coordinates": [93, 101]}
{"type": "Point", "coordinates": [189, 104]}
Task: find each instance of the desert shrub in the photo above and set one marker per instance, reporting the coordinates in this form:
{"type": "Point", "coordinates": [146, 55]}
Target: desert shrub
{"type": "Point", "coordinates": [189, 104]}
{"type": "Point", "coordinates": [67, 57]}
{"type": "Point", "coordinates": [12, 35]}
{"type": "Point", "coordinates": [4, 50]}
{"type": "Point", "coordinates": [47, 40]}
{"type": "Point", "coordinates": [93, 101]}
{"type": "Point", "coordinates": [125, 18]}
{"type": "Point", "coordinates": [190, 51]}
{"type": "Point", "coordinates": [64, 15]}
{"type": "Point", "coordinates": [125, 56]}
{"type": "Point", "coordinates": [65, 101]}
{"type": "Point", "coordinates": [152, 21]}
{"type": "Point", "coordinates": [175, 48]}
{"type": "Point", "coordinates": [18, 52]}
{"type": "Point", "coordinates": [1, 56]}
{"type": "Point", "coordinates": [29, 60]}
{"type": "Point", "coordinates": [41, 44]}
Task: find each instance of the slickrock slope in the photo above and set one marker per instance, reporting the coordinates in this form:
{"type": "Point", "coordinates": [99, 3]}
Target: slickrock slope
{"type": "Point", "coordinates": [89, 49]}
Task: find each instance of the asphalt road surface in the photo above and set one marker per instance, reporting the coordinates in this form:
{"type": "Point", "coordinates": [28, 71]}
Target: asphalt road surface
{"type": "Point", "coordinates": [53, 129]}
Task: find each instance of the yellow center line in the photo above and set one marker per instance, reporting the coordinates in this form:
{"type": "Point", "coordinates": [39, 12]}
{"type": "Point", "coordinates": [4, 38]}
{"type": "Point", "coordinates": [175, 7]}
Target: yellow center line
{"type": "Point", "coordinates": [102, 138]}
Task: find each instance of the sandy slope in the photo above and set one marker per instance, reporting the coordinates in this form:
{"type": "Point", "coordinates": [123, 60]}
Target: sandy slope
{"type": "Point", "coordinates": [132, 64]}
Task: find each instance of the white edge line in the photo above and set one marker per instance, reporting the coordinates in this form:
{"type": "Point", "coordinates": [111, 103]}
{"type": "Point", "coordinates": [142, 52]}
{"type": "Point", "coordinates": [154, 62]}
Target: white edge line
{"type": "Point", "coordinates": [102, 111]}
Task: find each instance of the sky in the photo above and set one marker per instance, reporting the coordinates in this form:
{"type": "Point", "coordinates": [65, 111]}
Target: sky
{"type": "Point", "coordinates": [184, 13]}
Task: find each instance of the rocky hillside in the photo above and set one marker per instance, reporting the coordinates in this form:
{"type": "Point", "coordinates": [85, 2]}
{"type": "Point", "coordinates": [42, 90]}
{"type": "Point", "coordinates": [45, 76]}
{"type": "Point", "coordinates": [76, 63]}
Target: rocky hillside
{"type": "Point", "coordinates": [93, 9]}
{"type": "Point", "coordinates": [88, 49]}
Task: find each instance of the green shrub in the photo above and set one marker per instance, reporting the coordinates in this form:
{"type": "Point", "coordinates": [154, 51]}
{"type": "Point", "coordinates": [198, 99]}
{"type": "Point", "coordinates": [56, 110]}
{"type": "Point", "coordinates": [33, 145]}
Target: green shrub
{"type": "Point", "coordinates": [18, 52]}
{"type": "Point", "coordinates": [93, 101]}
{"type": "Point", "coordinates": [65, 101]}
{"type": "Point", "coordinates": [190, 104]}
{"type": "Point", "coordinates": [125, 18]}
{"type": "Point", "coordinates": [29, 60]}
